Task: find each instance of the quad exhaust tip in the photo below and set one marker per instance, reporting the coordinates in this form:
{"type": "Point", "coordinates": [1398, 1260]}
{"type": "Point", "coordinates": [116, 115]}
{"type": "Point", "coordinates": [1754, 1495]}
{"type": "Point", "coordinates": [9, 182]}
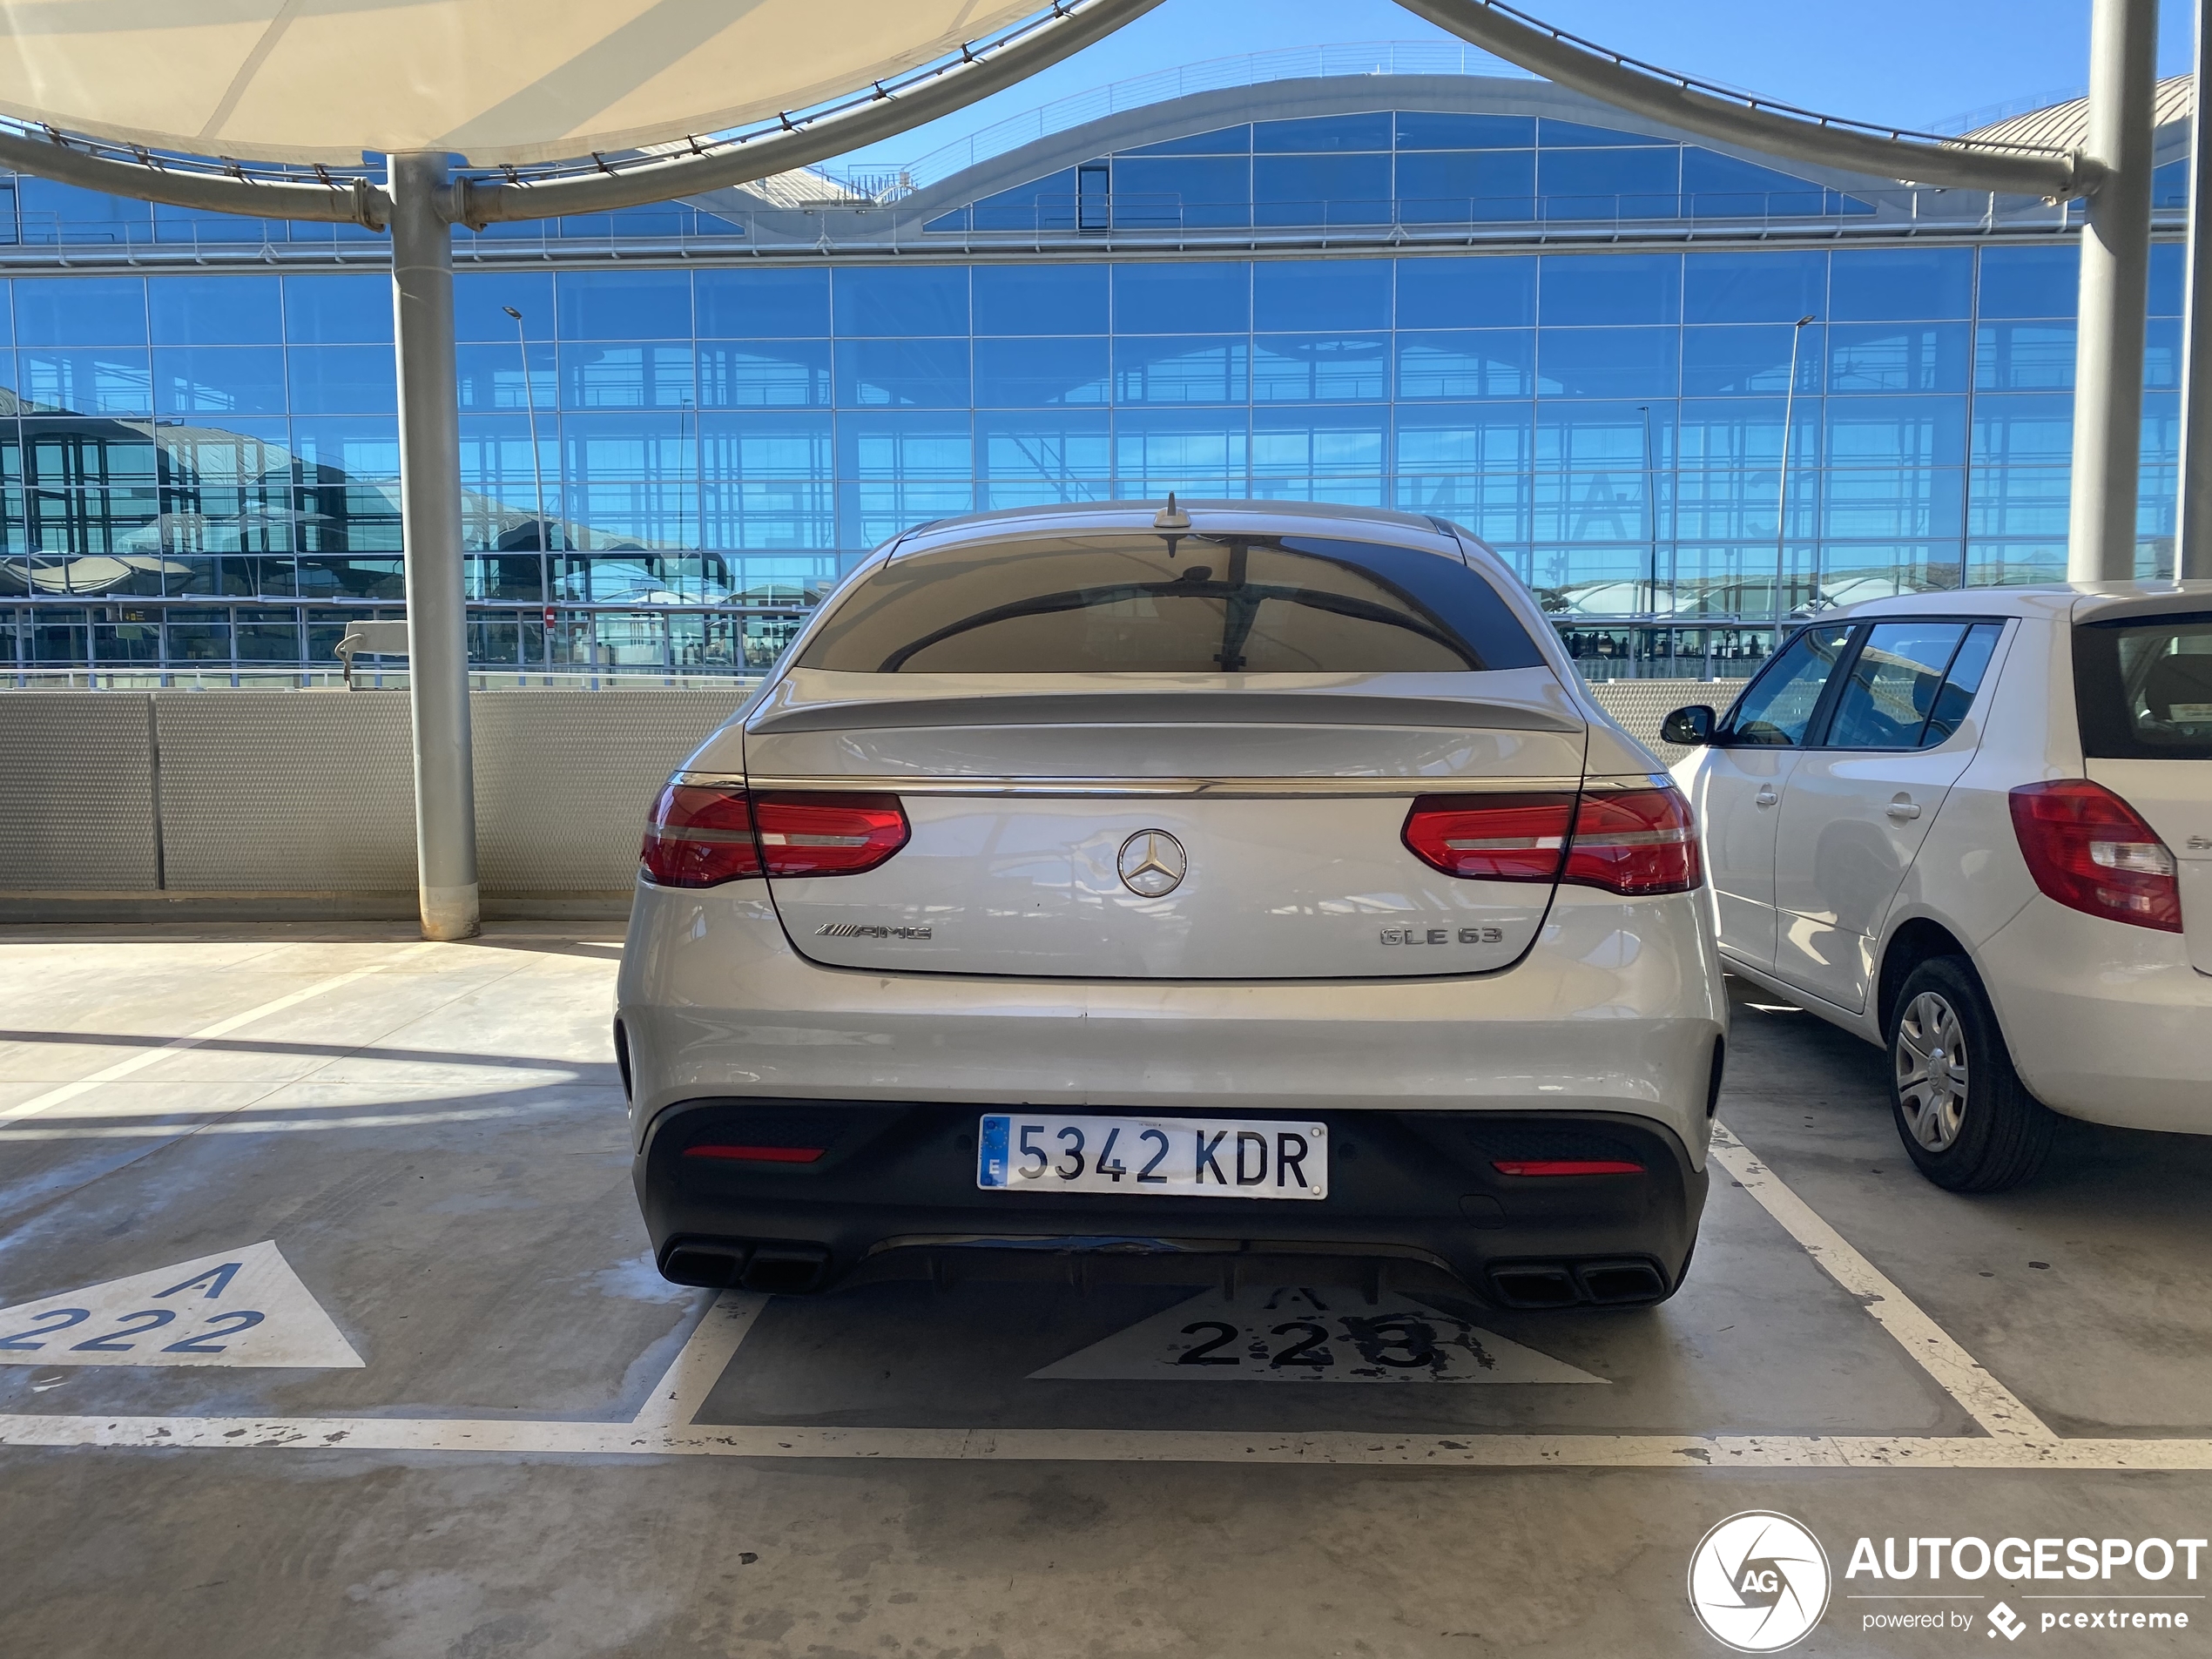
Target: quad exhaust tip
{"type": "Point", "coordinates": [1632, 1282]}
{"type": "Point", "coordinates": [768, 1266]}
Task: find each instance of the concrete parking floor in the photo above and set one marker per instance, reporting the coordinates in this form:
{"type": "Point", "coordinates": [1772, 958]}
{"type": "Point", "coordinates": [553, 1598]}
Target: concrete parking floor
{"type": "Point", "coordinates": [517, 1440]}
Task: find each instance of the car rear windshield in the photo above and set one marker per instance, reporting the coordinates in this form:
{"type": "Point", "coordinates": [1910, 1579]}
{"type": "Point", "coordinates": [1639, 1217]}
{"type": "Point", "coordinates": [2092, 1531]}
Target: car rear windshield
{"type": "Point", "coordinates": [1131, 602]}
{"type": "Point", "coordinates": [2143, 687]}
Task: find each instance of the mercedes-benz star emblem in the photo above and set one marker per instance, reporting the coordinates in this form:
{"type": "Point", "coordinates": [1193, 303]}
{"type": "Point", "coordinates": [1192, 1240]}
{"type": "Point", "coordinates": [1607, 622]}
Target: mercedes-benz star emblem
{"type": "Point", "coordinates": [1152, 864]}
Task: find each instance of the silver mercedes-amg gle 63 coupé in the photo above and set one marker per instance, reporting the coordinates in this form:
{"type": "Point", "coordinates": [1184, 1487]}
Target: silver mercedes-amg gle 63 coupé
{"type": "Point", "coordinates": [1238, 889]}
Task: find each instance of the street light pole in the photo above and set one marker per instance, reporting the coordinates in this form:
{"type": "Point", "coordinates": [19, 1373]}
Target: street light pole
{"type": "Point", "coordinates": [538, 463]}
{"type": "Point", "coordinates": [1781, 490]}
{"type": "Point", "coordinates": [2193, 511]}
{"type": "Point", "coordinates": [1648, 600]}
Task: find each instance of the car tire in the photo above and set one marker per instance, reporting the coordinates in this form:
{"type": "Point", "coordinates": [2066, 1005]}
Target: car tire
{"type": "Point", "coordinates": [1967, 1122]}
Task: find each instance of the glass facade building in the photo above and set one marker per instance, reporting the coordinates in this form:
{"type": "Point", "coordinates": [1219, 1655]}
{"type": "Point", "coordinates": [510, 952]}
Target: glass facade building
{"type": "Point", "coordinates": [1434, 294]}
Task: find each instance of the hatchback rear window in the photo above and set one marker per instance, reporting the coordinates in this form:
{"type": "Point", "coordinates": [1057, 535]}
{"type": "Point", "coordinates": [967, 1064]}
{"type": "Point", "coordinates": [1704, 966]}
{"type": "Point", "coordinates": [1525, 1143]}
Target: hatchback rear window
{"type": "Point", "coordinates": [1146, 602]}
{"type": "Point", "coordinates": [2143, 686]}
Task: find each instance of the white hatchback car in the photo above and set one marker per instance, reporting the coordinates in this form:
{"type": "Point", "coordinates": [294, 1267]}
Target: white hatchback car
{"type": "Point", "coordinates": [1249, 888]}
{"type": "Point", "coordinates": [1976, 827]}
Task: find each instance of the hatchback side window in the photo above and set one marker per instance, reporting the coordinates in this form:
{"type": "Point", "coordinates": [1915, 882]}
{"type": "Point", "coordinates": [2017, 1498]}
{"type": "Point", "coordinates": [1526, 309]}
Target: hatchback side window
{"type": "Point", "coordinates": [1777, 707]}
{"type": "Point", "coordinates": [1963, 682]}
{"type": "Point", "coordinates": [1893, 683]}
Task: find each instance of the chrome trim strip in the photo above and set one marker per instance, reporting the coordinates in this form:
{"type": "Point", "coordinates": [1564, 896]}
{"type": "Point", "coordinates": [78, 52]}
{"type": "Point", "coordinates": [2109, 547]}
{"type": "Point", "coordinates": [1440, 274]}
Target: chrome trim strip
{"type": "Point", "coordinates": [1399, 788]}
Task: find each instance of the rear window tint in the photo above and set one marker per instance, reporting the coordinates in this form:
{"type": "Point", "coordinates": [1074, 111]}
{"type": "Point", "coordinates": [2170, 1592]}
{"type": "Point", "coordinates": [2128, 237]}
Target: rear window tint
{"type": "Point", "coordinates": [2143, 686]}
{"type": "Point", "coordinates": [1132, 602]}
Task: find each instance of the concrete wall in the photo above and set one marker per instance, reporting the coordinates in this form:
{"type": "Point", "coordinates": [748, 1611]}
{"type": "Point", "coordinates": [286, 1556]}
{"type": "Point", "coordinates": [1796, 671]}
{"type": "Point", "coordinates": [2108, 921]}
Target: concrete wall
{"type": "Point", "coordinates": [130, 804]}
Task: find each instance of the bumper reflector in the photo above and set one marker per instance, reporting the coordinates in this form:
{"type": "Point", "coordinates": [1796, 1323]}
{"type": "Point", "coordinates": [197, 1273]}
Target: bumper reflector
{"type": "Point", "coordinates": [1566, 1166]}
{"type": "Point", "coordinates": [756, 1154]}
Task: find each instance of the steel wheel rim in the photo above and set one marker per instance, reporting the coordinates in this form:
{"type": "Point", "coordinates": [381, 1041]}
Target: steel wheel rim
{"type": "Point", "coordinates": [1931, 1080]}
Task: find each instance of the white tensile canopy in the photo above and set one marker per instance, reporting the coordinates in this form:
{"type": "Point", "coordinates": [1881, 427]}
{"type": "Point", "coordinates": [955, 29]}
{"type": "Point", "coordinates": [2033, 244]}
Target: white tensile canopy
{"type": "Point", "coordinates": [492, 80]}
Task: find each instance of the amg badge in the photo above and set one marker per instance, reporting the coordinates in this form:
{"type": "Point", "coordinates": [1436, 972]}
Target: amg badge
{"type": "Point", "coordinates": [859, 930]}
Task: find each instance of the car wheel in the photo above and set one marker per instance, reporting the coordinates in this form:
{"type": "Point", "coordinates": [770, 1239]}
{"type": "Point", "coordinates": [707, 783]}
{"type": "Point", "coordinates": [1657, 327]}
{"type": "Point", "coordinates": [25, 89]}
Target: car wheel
{"type": "Point", "coordinates": [1966, 1118]}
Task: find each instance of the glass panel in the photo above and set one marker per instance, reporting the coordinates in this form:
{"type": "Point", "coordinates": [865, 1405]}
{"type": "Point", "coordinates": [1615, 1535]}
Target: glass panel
{"type": "Point", "coordinates": [1569, 134]}
{"type": "Point", "coordinates": [492, 376]}
{"type": "Point", "coordinates": [339, 380]}
{"type": "Point", "coordinates": [1896, 431]}
{"type": "Point", "coordinates": [1754, 288]}
{"type": "Point", "coordinates": [1033, 459]}
{"type": "Point", "coordinates": [1199, 454]}
{"type": "Point", "coordinates": [1040, 300]}
{"type": "Point", "coordinates": [2030, 281]}
{"type": "Point", "coordinates": [478, 295]}
{"type": "Point", "coordinates": [80, 311]}
{"type": "Point", "coordinates": [1611, 288]}
{"type": "Point", "coordinates": [198, 636]}
{"type": "Point", "coordinates": [920, 373]}
{"type": "Point", "coordinates": [2024, 430]}
{"type": "Point", "coordinates": [1489, 362]}
{"type": "Point", "coordinates": [734, 305]}
{"type": "Point", "coordinates": [1031, 372]}
{"type": "Point", "coordinates": [1488, 438]}
{"type": "Point", "coordinates": [1458, 292]}
{"type": "Point", "coordinates": [1369, 131]}
{"type": "Point", "coordinates": [338, 310]}
{"type": "Point", "coordinates": [233, 380]}
{"type": "Point", "coordinates": [1716, 362]}
{"type": "Point", "coordinates": [1141, 604]}
{"type": "Point", "coordinates": [1610, 184]}
{"type": "Point", "coordinates": [2167, 262]}
{"type": "Point", "coordinates": [921, 300]}
{"type": "Point", "coordinates": [642, 376]}
{"type": "Point", "coordinates": [1162, 195]}
{"type": "Point", "coordinates": [114, 379]}
{"type": "Point", "coordinates": [2023, 357]}
{"type": "Point", "coordinates": [1321, 190]}
{"type": "Point", "coordinates": [1220, 141]}
{"type": "Point", "coordinates": [763, 374]}
{"type": "Point", "coordinates": [1320, 293]}
{"type": "Point", "coordinates": [1878, 285]}
{"type": "Point", "coordinates": [1175, 299]}
{"type": "Point", "coordinates": [218, 311]}
{"type": "Point", "coordinates": [268, 636]}
{"type": "Point", "coordinates": [2018, 501]}
{"type": "Point", "coordinates": [627, 480]}
{"type": "Point", "coordinates": [1467, 187]}
{"type": "Point", "coordinates": [2162, 353]}
{"type": "Point", "coordinates": [624, 304]}
{"type": "Point", "coordinates": [1882, 357]}
{"type": "Point", "coordinates": [1886, 502]}
{"type": "Point", "coordinates": [1425, 130]}
{"type": "Point", "coordinates": [1181, 369]}
{"type": "Point", "coordinates": [1606, 362]}
{"type": "Point", "coordinates": [1962, 682]}
{"type": "Point", "coordinates": [1047, 204]}
{"type": "Point", "coordinates": [1777, 707]}
{"type": "Point", "coordinates": [1892, 686]}
{"type": "Point", "coordinates": [1719, 185]}
{"type": "Point", "coordinates": [57, 213]}
{"type": "Point", "coordinates": [1329, 367]}
{"type": "Point", "coordinates": [1318, 443]}
{"type": "Point", "coordinates": [767, 481]}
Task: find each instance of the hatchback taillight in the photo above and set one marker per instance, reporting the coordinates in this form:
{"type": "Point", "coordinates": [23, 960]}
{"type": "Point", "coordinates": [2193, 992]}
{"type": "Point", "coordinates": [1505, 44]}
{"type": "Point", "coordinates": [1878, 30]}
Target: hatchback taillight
{"type": "Point", "coordinates": [1639, 842]}
{"type": "Point", "coordinates": [701, 836]}
{"type": "Point", "coordinates": [2091, 852]}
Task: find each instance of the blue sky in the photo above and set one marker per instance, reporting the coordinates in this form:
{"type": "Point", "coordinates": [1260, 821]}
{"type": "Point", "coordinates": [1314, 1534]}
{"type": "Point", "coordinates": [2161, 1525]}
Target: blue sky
{"type": "Point", "coordinates": [1911, 62]}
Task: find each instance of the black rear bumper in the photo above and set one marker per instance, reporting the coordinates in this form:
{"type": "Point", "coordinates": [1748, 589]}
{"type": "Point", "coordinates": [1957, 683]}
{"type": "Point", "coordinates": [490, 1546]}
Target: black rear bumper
{"type": "Point", "coordinates": [1413, 1198]}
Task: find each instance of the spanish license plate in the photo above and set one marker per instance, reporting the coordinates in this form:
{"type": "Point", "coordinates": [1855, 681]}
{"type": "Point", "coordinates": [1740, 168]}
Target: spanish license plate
{"type": "Point", "coordinates": [1161, 1157]}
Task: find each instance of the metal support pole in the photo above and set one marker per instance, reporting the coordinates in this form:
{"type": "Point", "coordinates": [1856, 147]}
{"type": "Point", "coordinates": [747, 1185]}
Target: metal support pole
{"type": "Point", "coordinates": [2193, 509]}
{"type": "Point", "coordinates": [1781, 488]}
{"type": "Point", "coordinates": [437, 634]}
{"type": "Point", "coordinates": [2115, 274]}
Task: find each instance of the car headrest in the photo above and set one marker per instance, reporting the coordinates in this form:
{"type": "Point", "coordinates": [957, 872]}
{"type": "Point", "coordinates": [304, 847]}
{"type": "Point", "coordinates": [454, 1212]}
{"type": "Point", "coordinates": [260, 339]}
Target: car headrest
{"type": "Point", "coordinates": [2185, 680]}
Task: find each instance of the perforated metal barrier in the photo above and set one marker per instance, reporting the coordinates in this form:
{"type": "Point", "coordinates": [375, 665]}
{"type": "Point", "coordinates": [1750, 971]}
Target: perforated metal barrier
{"type": "Point", "coordinates": [304, 801]}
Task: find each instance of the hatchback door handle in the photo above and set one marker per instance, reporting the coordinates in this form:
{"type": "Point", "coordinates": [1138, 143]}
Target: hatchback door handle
{"type": "Point", "coordinates": [1766, 797]}
{"type": "Point", "coordinates": [1903, 809]}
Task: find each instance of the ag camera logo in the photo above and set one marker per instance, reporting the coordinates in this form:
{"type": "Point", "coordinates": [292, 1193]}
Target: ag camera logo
{"type": "Point", "coordinates": [1758, 1581]}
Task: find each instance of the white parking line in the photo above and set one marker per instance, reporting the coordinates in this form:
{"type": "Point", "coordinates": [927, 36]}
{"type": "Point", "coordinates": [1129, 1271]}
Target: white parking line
{"type": "Point", "coordinates": [1995, 1407]}
{"type": "Point", "coordinates": [220, 1029]}
{"type": "Point", "coordinates": [705, 1355]}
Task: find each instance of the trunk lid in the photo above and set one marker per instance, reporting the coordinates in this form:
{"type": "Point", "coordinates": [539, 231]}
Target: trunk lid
{"type": "Point", "coordinates": [1258, 829]}
{"type": "Point", "coordinates": [2175, 798]}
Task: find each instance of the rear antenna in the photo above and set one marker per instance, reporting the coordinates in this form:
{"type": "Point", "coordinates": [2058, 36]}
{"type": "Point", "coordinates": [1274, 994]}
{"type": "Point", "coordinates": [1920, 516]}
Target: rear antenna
{"type": "Point", "coordinates": [1171, 517]}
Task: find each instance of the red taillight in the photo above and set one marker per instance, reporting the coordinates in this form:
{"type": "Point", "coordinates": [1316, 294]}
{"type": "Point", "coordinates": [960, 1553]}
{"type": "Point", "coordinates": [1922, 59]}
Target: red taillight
{"type": "Point", "coordinates": [1491, 838]}
{"type": "Point", "coordinates": [1566, 1166]}
{"type": "Point", "coordinates": [1640, 842]}
{"type": "Point", "coordinates": [700, 836]}
{"type": "Point", "coordinates": [2091, 852]}
{"type": "Point", "coordinates": [827, 835]}
{"type": "Point", "coordinates": [756, 1154]}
